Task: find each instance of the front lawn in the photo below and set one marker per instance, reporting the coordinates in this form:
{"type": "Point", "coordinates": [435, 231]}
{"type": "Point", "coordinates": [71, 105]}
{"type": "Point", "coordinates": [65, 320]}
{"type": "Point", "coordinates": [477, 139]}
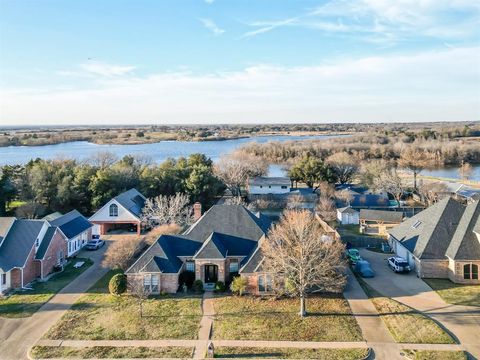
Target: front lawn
{"type": "Point", "coordinates": [404, 323]}
{"type": "Point", "coordinates": [250, 318]}
{"type": "Point", "coordinates": [290, 353]}
{"type": "Point", "coordinates": [457, 294]}
{"type": "Point", "coordinates": [23, 303]}
{"type": "Point", "coordinates": [435, 354]}
{"type": "Point", "coordinates": [101, 316]}
{"type": "Point", "coordinates": [109, 352]}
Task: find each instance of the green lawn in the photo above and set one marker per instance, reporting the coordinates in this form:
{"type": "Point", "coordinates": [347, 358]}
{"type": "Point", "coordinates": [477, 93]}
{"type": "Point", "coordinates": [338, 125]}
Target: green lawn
{"type": "Point", "coordinates": [290, 353]}
{"type": "Point", "coordinates": [25, 303]}
{"type": "Point", "coordinates": [101, 316]}
{"type": "Point", "coordinates": [250, 318]}
{"type": "Point", "coordinates": [437, 355]}
{"type": "Point", "coordinates": [457, 294]}
{"type": "Point", "coordinates": [106, 352]}
{"type": "Point", "coordinates": [404, 323]}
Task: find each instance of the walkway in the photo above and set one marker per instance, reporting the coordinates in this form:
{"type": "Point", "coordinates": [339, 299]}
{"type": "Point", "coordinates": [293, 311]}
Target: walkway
{"type": "Point", "coordinates": [29, 330]}
{"type": "Point", "coordinates": [206, 324]}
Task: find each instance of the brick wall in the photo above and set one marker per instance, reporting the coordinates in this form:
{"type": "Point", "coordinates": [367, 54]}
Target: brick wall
{"type": "Point", "coordinates": [57, 244]}
{"type": "Point", "coordinates": [30, 272]}
{"type": "Point", "coordinates": [252, 285]}
{"type": "Point", "coordinates": [200, 269]}
{"type": "Point", "coordinates": [169, 283]}
{"type": "Point", "coordinates": [455, 272]}
{"type": "Point", "coordinates": [437, 269]}
{"type": "Point", "coordinates": [16, 278]}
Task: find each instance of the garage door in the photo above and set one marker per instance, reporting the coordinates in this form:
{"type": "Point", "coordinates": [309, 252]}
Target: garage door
{"type": "Point", "coordinates": [96, 229]}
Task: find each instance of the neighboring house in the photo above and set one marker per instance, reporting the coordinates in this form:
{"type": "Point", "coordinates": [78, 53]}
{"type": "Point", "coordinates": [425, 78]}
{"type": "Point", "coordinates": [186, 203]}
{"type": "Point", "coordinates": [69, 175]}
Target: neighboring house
{"type": "Point", "coordinates": [442, 241]}
{"type": "Point", "coordinates": [268, 185]}
{"type": "Point", "coordinates": [222, 244]}
{"type": "Point", "coordinates": [378, 222]}
{"type": "Point", "coordinates": [76, 229]}
{"type": "Point", "coordinates": [31, 249]}
{"type": "Point", "coordinates": [348, 216]}
{"type": "Point", "coordinates": [370, 201]}
{"type": "Point", "coordinates": [123, 212]}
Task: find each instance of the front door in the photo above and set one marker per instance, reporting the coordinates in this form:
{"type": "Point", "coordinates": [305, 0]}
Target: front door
{"type": "Point", "coordinates": [211, 273]}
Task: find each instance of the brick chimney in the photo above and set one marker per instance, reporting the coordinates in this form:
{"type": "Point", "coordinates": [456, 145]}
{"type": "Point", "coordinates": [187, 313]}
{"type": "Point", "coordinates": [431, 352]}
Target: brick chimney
{"type": "Point", "coordinates": [197, 211]}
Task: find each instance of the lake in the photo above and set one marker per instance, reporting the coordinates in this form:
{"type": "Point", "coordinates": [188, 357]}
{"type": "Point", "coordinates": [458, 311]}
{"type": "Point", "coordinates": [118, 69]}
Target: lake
{"type": "Point", "coordinates": [159, 152]}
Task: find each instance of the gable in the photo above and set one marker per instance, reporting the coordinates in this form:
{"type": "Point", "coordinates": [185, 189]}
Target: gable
{"type": "Point", "coordinates": [465, 244]}
{"type": "Point", "coordinates": [104, 213]}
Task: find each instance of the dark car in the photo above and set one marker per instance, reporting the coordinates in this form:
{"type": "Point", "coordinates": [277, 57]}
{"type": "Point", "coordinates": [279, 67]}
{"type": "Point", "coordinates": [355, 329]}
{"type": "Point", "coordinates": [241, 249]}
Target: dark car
{"type": "Point", "coordinates": [94, 244]}
{"type": "Point", "coordinates": [363, 268]}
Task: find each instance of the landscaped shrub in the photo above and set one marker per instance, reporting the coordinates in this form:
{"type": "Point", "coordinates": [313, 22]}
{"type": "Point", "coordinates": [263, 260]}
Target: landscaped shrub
{"type": "Point", "coordinates": [198, 286]}
{"type": "Point", "coordinates": [239, 285]}
{"type": "Point", "coordinates": [219, 286]}
{"type": "Point", "coordinates": [187, 278]}
{"type": "Point", "coordinates": [117, 284]}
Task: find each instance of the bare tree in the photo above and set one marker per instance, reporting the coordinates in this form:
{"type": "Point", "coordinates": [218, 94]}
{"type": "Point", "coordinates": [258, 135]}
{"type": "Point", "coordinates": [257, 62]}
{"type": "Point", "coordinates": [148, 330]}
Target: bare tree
{"type": "Point", "coordinates": [326, 189]}
{"type": "Point", "coordinates": [103, 159]}
{"type": "Point", "coordinates": [371, 170]}
{"type": "Point", "coordinates": [415, 160]}
{"type": "Point", "coordinates": [238, 200]}
{"type": "Point", "coordinates": [235, 169]}
{"type": "Point", "coordinates": [392, 183]}
{"type": "Point", "coordinates": [295, 202]}
{"type": "Point", "coordinates": [138, 290]}
{"type": "Point", "coordinates": [326, 208]}
{"type": "Point", "coordinates": [344, 165]}
{"type": "Point", "coordinates": [465, 170]}
{"type": "Point", "coordinates": [121, 253]}
{"type": "Point", "coordinates": [344, 195]}
{"type": "Point", "coordinates": [296, 253]}
{"type": "Point", "coordinates": [431, 192]}
{"type": "Point", "coordinates": [164, 209]}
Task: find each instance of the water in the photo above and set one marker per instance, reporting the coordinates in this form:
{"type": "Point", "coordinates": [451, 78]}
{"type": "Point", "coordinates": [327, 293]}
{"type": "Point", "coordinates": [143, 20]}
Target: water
{"type": "Point", "coordinates": [159, 152]}
{"type": "Point", "coordinates": [452, 173]}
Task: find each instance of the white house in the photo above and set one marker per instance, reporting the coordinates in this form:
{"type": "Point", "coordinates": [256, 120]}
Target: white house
{"type": "Point", "coordinates": [268, 185]}
{"type": "Point", "coordinates": [122, 212]}
{"type": "Point", "coordinates": [348, 216]}
{"type": "Point", "coordinates": [76, 229]}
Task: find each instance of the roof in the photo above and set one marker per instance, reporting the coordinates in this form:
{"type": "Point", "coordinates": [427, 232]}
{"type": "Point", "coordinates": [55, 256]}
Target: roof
{"type": "Point", "coordinates": [381, 215]}
{"type": "Point", "coordinates": [266, 181]}
{"type": "Point", "coordinates": [47, 239]}
{"type": "Point", "coordinates": [347, 210]}
{"type": "Point", "coordinates": [252, 264]}
{"type": "Point", "coordinates": [5, 224]}
{"type": "Point", "coordinates": [18, 243]}
{"type": "Point", "coordinates": [429, 233]}
{"type": "Point", "coordinates": [369, 200]}
{"type": "Point", "coordinates": [465, 244]}
{"type": "Point", "coordinates": [72, 224]}
{"type": "Point", "coordinates": [52, 216]}
{"type": "Point", "coordinates": [224, 230]}
{"type": "Point", "coordinates": [132, 200]}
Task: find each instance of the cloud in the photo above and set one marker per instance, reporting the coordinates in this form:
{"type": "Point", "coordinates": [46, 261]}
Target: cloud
{"type": "Point", "coordinates": [210, 25]}
{"type": "Point", "coordinates": [437, 85]}
{"type": "Point", "coordinates": [209, 2]}
{"type": "Point", "coordinates": [104, 69]}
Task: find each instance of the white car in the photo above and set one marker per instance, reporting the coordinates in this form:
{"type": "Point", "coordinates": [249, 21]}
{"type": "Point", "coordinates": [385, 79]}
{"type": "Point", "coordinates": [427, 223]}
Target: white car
{"type": "Point", "coordinates": [398, 264]}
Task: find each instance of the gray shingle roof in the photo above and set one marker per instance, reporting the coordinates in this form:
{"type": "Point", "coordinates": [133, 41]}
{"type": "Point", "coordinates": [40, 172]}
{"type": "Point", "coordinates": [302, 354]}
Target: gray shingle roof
{"type": "Point", "coordinates": [132, 200]}
{"type": "Point", "coordinates": [5, 224]}
{"type": "Point", "coordinates": [381, 215]}
{"type": "Point", "coordinates": [266, 181]}
{"type": "Point", "coordinates": [369, 200]}
{"type": "Point", "coordinates": [428, 234]}
{"type": "Point", "coordinates": [72, 223]}
{"type": "Point", "coordinates": [47, 239]}
{"type": "Point", "coordinates": [465, 245]}
{"type": "Point", "coordinates": [251, 264]}
{"type": "Point", "coordinates": [18, 243]}
{"type": "Point", "coordinates": [347, 210]}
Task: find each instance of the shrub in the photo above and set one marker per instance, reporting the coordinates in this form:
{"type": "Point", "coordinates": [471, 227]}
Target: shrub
{"type": "Point", "coordinates": [219, 286]}
{"type": "Point", "coordinates": [187, 278]}
{"type": "Point", "coordinates": [198, 286]}
{"type": "Point", "coordinates": [239, 285]}
{"type": "Point", "coordinates": [117, 284]}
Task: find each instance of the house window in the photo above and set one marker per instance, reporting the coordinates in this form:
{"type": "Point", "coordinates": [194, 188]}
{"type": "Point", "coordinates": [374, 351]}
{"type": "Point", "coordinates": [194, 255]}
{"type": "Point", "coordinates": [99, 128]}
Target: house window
{"type": "Point", "coordinates": [4, 279]}
{"type": "Point", "coordinates": [113, 210]}
{"type": "Point", "coordinates": [151, 283]}
{"type": "Point", "coordinates": [284, 186]}
{"type": "Point", "coordinates": [190, 266]}
{"type": "Point", "coordinates": [233, 267]}
{"type": "Point", "coordinates": [37, 242]}
{"type": "Point", "coordinates": [147, 282]}
{"type": "Point", "coordinates": [265, 283]}
{"type": "Point", "coordinates": [470, 272]}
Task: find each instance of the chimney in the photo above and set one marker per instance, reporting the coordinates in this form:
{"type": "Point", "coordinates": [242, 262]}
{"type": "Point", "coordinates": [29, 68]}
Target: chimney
{"type": "Point", "coordinates": [197, 211]}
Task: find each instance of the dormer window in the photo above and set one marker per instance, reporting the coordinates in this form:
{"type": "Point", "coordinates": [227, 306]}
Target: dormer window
{"type": "Point", "coordinates": [113, 210]}
{"type": "Point", "coordinates": [37, 242]}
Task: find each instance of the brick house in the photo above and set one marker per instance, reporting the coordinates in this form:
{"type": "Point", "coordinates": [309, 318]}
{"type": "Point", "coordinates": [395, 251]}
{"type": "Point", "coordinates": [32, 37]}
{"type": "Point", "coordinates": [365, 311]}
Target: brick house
{"type": "Point", "coordinates": [442, 241]}
{"type": "Point", "coordinates": [123, 212]}
{"type": "Point", "coordinates": [30, 249]}
{"type": "Point", "coordinates": [221, 244]}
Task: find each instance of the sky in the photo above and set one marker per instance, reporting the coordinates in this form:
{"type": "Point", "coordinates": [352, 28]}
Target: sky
{"type": "Point", "coordinates": [101, 62]}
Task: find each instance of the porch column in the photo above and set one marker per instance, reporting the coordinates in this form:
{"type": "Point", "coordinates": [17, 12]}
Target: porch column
{"type": "Point", "coordinates": [139, 228]}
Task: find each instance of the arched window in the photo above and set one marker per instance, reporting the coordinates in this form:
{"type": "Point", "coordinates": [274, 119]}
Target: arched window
{"type": "Point", "coordinates": [113, 210]}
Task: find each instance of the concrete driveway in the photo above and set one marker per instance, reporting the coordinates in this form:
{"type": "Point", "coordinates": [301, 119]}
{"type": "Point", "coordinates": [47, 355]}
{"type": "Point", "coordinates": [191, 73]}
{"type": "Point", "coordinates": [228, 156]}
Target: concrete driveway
{"type": "Point", "coordinates": [463, 322]}
{"type": "Point", "coordinates": [17, 336]}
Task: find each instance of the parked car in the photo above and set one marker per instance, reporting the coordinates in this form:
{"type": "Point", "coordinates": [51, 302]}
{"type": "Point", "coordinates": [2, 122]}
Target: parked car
{"type": "Point", "coordinates": [363, 268]}
{"type": "Point", "coordinates": [353, 255]}
{"type": "Point", "coordinates": [94, 244]}
{"type": "Point", "coordinates": [398, 264]}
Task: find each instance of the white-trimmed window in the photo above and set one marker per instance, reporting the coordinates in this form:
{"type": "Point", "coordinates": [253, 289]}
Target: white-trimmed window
{"type": "Point", "coordinates": [233, 267]}
{"type": "Point", "coordinates": [4, 279]}
{"type": "Point", "coordinates": [113, 210]}
{"type": "Point", "coordinates": [151, 283]}
{"type": "Point", "coordinates": [190, 266]}
{"type": "Point", "coordinates": [470, 272]}
{"type": "Point", "coordinates": [265, 283]}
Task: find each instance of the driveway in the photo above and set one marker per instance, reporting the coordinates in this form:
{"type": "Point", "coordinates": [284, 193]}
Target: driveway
{"type": "Point", "coordinates": [463, 322]}
{"type": "Point", "coordinates": [17, 336]}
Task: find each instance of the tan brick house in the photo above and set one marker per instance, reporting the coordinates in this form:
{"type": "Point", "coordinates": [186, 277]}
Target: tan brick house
{"type": "Point", "coordinates": [442, 241]}
{"type": "Point", "coordinates": [221, 244]}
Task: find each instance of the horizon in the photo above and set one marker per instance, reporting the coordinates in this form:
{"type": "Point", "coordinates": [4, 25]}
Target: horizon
{"type": "Point", "coordinates": [144, 63]}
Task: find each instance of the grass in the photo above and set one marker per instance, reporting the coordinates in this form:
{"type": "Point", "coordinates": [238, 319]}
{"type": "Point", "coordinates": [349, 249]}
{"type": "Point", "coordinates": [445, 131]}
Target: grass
{"type": "Point", "coordinates": [405, 323]}
{"type": "Point", "coordinates": [101, 316]}
{"type": "Point", "coordinates": [106, 352]}
{"type": "Point", "coordinates": [24, 303]}
{"type": "Point", "coordinates": [290, 353]}
{"type": "Point", "coordinates": [435, 354]}
{"type": "Point", "coordinates": [250, 318]}
{"type": "Point", "coordinates": [457, 294]}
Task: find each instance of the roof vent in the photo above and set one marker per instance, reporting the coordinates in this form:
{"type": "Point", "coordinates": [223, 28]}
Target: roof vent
{"type": "Point", "coordinates": [417, 224]}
